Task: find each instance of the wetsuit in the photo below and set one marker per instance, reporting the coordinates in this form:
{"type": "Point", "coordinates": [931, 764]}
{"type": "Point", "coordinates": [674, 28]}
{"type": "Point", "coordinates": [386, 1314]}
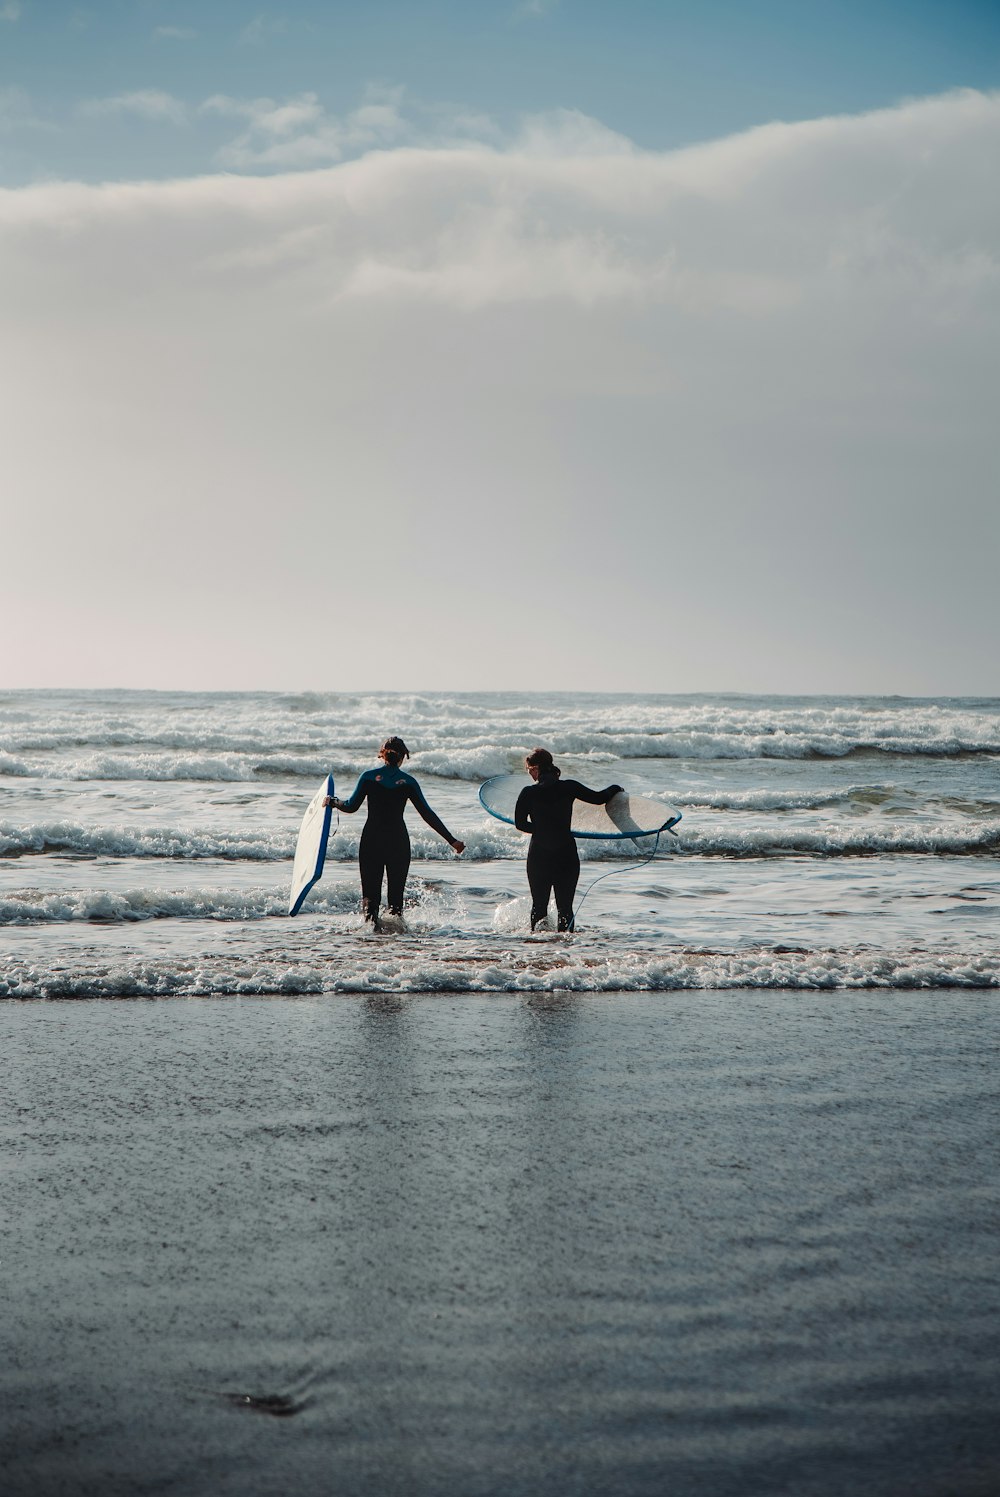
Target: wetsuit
{"type": "Point", "coordinates": [545, 809]}
{"type": "Point", "coordinates": [385, 842]}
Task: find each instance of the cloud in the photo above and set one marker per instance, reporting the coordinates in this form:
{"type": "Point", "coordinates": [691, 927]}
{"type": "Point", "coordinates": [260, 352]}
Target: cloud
{"type": "Point", "coordinates": [896, 201]}
{"type": "Point", "coordinates": [725, 414]}
{"type": "Point", "coordinates": [300, 132]}
{"type": "Point", "coordinates": [568, 132]}
{"type": "Point", "coordinates": [174, 33]}
{"type": "Point", "coordinates": [265, 116]}
{"type": "Point", "coordinates": [570, 210]}
{"type": "Point", "coordinates": [10, 10]}
{"type": "Point", "coordinates": [147, 103]}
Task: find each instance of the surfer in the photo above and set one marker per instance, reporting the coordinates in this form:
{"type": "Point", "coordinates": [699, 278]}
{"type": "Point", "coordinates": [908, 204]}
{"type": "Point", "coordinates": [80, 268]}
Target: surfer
{"type": "Point", "coordinates": [545, 810]}
{"type": "Point", "coordinates": [385, 842]}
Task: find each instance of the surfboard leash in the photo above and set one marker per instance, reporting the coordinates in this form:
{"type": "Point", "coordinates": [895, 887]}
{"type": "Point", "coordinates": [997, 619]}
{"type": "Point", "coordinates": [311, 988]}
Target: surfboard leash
{"type": "Point", "coordinates": [629, 868]}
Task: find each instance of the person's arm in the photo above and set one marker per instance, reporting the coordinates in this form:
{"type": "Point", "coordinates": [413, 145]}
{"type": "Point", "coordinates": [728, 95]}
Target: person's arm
{"type": "Point", "coordinates": [522, 820]}
{"type": "Point", "coordinates": [351, 805]}
{"type": "Point", "coordinates": [592, 797]}
{"type": "Point", "coordinates": [432, 819]}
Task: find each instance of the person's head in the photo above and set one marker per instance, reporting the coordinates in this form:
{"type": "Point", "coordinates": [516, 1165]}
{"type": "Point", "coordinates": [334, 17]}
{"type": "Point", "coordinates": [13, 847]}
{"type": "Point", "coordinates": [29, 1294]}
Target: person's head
{"type": "Point", "coordinates": [539, 764]}
{"type": "Point", "coordinates": [393, 752]}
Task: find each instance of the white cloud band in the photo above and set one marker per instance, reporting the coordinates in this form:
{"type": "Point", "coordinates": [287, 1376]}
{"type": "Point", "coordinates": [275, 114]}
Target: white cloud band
{"type": "Point", "coordinates": [898, 200]}
{"type": "Point", "coordinates": [764, 368]}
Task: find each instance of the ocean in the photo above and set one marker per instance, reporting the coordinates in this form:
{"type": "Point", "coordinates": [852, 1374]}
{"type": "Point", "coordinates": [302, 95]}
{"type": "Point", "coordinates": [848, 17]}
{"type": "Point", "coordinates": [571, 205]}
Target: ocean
{"type": "Point", "coordinates": [702, 1199]}
{"type": "Point", "coordinates": [146, 838]}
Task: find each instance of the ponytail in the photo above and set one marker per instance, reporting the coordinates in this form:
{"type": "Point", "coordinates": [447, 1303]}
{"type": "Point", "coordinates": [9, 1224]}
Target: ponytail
{"type": "Point", "coordinates": [541, 760]}
{"type": "Point", "coordinates": [394, 751]}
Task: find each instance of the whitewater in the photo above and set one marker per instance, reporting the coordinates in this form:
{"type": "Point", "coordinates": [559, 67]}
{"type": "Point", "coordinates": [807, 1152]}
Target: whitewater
{"type": "Point", "coordinates": [827, 842]}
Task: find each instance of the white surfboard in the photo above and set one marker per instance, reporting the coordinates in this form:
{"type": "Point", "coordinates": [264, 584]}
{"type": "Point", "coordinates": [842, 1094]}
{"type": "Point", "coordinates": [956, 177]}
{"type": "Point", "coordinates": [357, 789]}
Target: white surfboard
{"type": "Point", "coordinates": [624, 815]}
{"type": "Point", "coordinates": [310, 849]}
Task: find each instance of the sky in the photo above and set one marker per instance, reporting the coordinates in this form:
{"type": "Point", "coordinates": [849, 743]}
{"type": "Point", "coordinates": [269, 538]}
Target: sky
{"type": "Point", "coordinates": [523, 344]}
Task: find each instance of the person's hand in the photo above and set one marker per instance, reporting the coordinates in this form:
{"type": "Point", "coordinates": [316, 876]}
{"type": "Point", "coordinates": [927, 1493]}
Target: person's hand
{"type": "Point", "coordinates": [331, 800]}
{"type": "Point", "coordinates": [459, 848]}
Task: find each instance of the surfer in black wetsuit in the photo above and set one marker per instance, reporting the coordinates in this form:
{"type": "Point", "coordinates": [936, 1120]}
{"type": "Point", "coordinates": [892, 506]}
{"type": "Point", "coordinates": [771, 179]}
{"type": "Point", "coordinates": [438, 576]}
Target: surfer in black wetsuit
{"type": "Point", "coordinates": [385, 842]}
{"type": "Point", "coordinates": [545, 809]}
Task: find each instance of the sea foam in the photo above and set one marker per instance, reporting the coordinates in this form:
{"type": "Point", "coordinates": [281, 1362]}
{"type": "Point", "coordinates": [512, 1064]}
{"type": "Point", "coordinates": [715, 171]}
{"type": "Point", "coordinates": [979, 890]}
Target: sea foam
{"type": "Point", "coordinates": [544, 965]}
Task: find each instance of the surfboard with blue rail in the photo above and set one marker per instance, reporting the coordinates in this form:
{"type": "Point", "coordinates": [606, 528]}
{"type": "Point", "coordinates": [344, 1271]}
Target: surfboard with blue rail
{"type": "Point", "coordinates": [624, 815]}
{"type": "Point", "coordinates": [310, 849]}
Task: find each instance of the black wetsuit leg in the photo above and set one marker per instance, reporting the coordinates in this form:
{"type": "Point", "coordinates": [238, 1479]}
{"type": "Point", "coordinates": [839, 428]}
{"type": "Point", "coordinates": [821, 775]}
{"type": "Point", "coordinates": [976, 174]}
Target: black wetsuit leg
{"type": "Point", "coordinates": [397, 866]}
{"type": "Point", "coordinates": [539, 882]}
{"type": "Point", "coordinates": [384, 852]}
{"type": "Point", "coordinates": [564, 880]}
{"type": "Point", "coordinates": [548, 869]}
{"type": "Point", "coordinates": [371, 861]}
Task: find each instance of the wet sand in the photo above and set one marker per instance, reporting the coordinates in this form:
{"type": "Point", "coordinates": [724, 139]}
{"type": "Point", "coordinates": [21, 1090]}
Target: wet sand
{"type": "Point", "coordinates": [713, 1243]}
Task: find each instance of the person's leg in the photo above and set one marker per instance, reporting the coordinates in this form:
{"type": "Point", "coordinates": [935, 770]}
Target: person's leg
{"type": "Point", "coordinates": [565, 879]}
{"type": "Point", "coordinates": [371, 860]}
{"type": "Point", "coordinates": [397, 866]}
{"type": "Point", "coordinates": [540, 884]}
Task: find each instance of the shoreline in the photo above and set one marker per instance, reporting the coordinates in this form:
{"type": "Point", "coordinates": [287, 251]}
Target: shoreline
{"type": "Point", "coordinates": [396, 965]}
{"type": "Point", "coordinates": [733, 1241]}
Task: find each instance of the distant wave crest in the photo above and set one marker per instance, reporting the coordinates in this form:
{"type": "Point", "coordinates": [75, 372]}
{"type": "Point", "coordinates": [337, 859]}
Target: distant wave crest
{"type": "Point", "coordinates": [234, 738]}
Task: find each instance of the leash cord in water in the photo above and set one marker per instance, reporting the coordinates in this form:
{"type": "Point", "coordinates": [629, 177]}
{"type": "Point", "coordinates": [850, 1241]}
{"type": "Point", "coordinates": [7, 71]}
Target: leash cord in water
{"type": "Point", "coordinates": [630, 868]}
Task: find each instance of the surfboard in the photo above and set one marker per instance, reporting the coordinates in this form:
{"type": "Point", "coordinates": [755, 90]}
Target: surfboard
{"type": "Point", "coordinates": [624, 816]}
{"type": "Point", "coordinates": [310, 849]}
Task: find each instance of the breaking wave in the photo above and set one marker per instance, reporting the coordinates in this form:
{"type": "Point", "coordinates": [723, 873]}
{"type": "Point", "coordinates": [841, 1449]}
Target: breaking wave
{"type": "Point", "coordinates": [550, 965]}
{"type": "Point", "coordinates": [850, 841]}
{"type": "Point", "coordinates": [496, 840]}
{"type": "Point", "coordinates": [103, 906]}
{"type": "Point", "coordinates": [141, 842]}
{"type": "Point", "coordinates": [228, 736]}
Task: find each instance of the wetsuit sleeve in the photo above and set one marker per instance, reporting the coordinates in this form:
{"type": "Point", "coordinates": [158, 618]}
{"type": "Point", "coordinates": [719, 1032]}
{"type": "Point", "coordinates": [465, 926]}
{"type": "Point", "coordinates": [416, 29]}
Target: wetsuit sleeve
{"type": "Point", "coordinates": [432, 820]}
{"type": "Point", "coordinates": [521, 818]}
{"type": "Point", "coordinates": [592, 797]}
{"type": "Point", "coordinates": [360, 792]}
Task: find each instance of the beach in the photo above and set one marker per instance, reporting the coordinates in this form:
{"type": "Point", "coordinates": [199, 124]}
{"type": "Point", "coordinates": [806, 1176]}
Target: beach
{"type": "Point", "coordinates": [701, 1198]}
{"type": "Point", "coordinates": [726, 1242]}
